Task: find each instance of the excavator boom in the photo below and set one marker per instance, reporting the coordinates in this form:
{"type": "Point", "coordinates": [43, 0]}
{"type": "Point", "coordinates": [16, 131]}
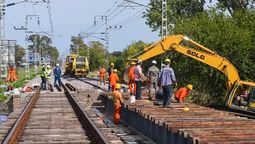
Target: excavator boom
{"type": "Point", "coordinates": [197, 51]}
{"type": "Point", "coordinates": [190, 48]}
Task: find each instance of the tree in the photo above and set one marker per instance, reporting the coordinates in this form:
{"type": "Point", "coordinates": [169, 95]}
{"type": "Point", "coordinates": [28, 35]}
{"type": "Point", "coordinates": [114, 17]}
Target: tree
{"type": "Point", "coordinates": [20, 52]}
{"type": "Point", "coordinates": [97, 55]}
{"type": "Point", "coordinates": [233, 6]}
{"type": "Point", "coordinates": [227, 36]}
{"type": "Point", "coordinates": [78, 46]}
{"type": "Point", "coordinates": [54, 54]}
{"type": "Point", "coordinates": [177, 9]}
{"type": "Point", "coordinates": [42, 45]}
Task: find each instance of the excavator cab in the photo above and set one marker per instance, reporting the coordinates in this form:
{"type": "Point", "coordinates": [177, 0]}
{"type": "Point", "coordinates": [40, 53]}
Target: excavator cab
{"type": "Point", "coordinates": [242, 96]}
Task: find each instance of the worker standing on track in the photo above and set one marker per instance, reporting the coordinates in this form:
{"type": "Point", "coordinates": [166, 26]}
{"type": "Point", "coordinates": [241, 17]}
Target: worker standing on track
{"type": "Point", "coordinates": [118, 102]}
{"type": "Point", "coordinates": [102, 73]}
{"type": "Point", "coordinates": [138, 79]}
{"type": "Point", "coordinates": [152, 75]}
{"type": "Point", "coordinates": [110, 71]}
{"type": "Point", "coordinates": [166, 79]}
{"type": "Point", "coordinates": [42, 75]}
{"type": "Point", "coordinates": [114, 79]}
{"type": "Point", "coordinates": [131, 76]}
{"type": "Point", "coordinates": [57, 75]}
{"type": "Point", "coordinates": [48, 73]}
{"type": "Point", "coordinates": [182, 93]}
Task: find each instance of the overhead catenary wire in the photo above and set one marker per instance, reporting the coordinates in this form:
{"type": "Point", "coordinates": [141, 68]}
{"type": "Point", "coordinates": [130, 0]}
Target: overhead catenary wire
{"type": "Point", "coordinates": [38, 20]}
{"type": "Point", "coordinates": [50, 18]}
{"type": "Point", "coordinates": [93, 28]}
{"type": "Point", "coordinates": [111, 6]}
{"type": "Point", "coordinates": [111, 18]}
{"type": "Point", "coordinates": [134, 16]}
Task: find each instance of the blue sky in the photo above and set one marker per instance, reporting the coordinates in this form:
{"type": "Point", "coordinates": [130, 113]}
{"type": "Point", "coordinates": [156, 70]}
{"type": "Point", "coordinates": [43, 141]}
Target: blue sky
{"type": "Point", "coordinates": [71, 17]}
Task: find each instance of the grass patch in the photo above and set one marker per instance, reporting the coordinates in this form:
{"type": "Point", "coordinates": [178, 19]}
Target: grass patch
{"type": "Point", "coordinates": [3, 97]}
{"type": "Point", "coordinates": [22, 77]}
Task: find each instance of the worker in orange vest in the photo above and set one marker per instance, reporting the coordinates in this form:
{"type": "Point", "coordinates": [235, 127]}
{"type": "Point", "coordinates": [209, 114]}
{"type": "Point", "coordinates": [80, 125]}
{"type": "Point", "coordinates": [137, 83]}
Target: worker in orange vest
{"type": "Point", "coordinates": [110, 71]}
{"type": "Point", "coordinates": [102, 73]}
{"type": "Point", "coordinates": [118, 102]}
{"type": "Point", "coordinates": [131, 76]}
{"type": "Point", "coordinates": [182, 93]}
{"type": "Point", "coordinates": [114, 79]}
{"type": "Point", "coordinates": [12, 74]}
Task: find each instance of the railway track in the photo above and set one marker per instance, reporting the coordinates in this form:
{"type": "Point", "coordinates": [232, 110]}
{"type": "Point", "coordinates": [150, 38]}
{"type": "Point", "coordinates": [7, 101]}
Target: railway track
{"type": "Point", "coordinates": [53, 118]}
{"type": "Point", "coordinates": [101, 117]}
{"type": "Point", "coordinates": [199, 125]}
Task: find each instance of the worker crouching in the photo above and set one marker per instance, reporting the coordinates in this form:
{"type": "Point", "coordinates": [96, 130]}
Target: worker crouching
{"type": "Point", "coordinates": [182, 93]}
{"type": "Point", "coordinates": [118, 102]}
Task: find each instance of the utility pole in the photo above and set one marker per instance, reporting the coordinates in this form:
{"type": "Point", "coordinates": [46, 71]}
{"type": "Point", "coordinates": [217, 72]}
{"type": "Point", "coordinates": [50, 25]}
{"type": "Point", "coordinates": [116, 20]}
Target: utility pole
{"type": "Point", "coordinates": [3, 46]}
{"type": "Point", "coordinates": [2, 32]}
{"type": "Point", "coordinates": [106, 33]}
{"type": "Point", "coordinates": [164, 19]}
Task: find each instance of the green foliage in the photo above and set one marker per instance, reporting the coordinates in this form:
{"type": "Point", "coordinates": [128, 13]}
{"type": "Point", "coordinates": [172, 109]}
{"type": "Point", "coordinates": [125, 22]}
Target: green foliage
{"type": "Point", "coordinates": [54, 54]}
{"type": "Point", "coordinates": [79, 46]}
{"type": "Point", "coordinates": [42, 45]}
{"type": "Point", "coordinates": [234, 6]}
{"type": "Point", "coordinates": [19, 54]}
{"type": "Point", "coordinates": [3, 97]}
{"type": "Point", "coordinates": [232, 38]}
{"type": "Point", "coordinates": [177, 9]}
{"type": "Point", "coordinates": [97, 55]}
{"type": "Point", "coordinates": [128, 52]}
{"type": "Point", "coordinates": [22, 77]}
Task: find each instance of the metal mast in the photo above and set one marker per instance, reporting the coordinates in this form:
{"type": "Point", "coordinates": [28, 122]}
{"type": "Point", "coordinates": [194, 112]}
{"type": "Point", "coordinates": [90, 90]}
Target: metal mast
{"type": "Point", "coordinates": [50, 18]}
{"type": "Point", "coordinates": [2, 32]}
{"type": "Point", "coordinates": [164, 18]}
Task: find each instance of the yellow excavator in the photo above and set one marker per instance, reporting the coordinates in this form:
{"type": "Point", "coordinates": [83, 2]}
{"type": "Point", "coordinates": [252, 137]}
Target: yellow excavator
{"type": "Point", "coordinates": [235, 87]}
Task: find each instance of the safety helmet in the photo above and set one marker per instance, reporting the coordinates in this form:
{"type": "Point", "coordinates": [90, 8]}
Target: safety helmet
{"type": "Point", "coordinates": [167, 60]}
{"type": "Point", "coordinates": [189, 86]}
{"type": "Point", "coordinates": [133, 63]}
{"type": "Point", "coordinates": [139, 61]}
{"type": "Point", "coordinates": [112, 64]}
{"type": "Point", "coordinates": [115, 70]}
{"type": "Point", "coordinates": [118, 86]}
{"type": "Point", "coordinates": [154, 62]}
{"type": "Point", "coordinates": [48, 66]}
{"type": "Point", "coordinates": [57, 65]}
{"type": "Point", "coordinates": [186, 109]}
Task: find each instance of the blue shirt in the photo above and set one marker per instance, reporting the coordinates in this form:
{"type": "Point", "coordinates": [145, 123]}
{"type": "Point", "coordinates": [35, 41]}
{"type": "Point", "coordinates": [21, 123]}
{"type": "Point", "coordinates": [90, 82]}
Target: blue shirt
{"type": "Point", "coordinates": [167, 76]}
{"type": "Point", "coordinates": [57, 71]}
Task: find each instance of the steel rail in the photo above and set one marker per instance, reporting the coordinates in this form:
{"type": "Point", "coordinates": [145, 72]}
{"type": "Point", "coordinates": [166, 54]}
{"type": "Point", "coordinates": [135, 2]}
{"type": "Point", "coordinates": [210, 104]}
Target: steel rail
{"type": "Point", "coordinates": [95, 135]}
{"type": "Point", "coordinates": [13, 135]}
{"type": "Point", "coordinates": [72, 88]}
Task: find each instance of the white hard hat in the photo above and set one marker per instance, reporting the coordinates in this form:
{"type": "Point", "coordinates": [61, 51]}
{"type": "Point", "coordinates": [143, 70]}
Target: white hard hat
{"type": "Point", "coordinates": [139, 61]}
{"type": "Point", "coordinates": [57, 65]}
{"type": "Point", "coordinates": [48, 66]}
{"type": "Point", "coordinates": [154, 62]}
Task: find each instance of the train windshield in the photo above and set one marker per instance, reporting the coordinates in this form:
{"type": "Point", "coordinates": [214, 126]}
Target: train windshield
{"type": "Point", "coordinates": [80, 59]}
{"type": "Point", "coordinates": [80, 65]}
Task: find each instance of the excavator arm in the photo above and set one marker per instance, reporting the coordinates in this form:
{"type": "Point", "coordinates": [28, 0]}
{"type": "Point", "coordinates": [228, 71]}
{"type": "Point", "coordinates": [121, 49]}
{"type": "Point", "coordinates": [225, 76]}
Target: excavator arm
{"type": "Point", "coordinates": [197, 51]}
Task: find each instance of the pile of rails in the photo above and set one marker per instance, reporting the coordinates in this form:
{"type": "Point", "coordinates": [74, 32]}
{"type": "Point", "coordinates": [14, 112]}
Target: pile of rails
{"type": "Point", "coordinates": [199, 125]}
